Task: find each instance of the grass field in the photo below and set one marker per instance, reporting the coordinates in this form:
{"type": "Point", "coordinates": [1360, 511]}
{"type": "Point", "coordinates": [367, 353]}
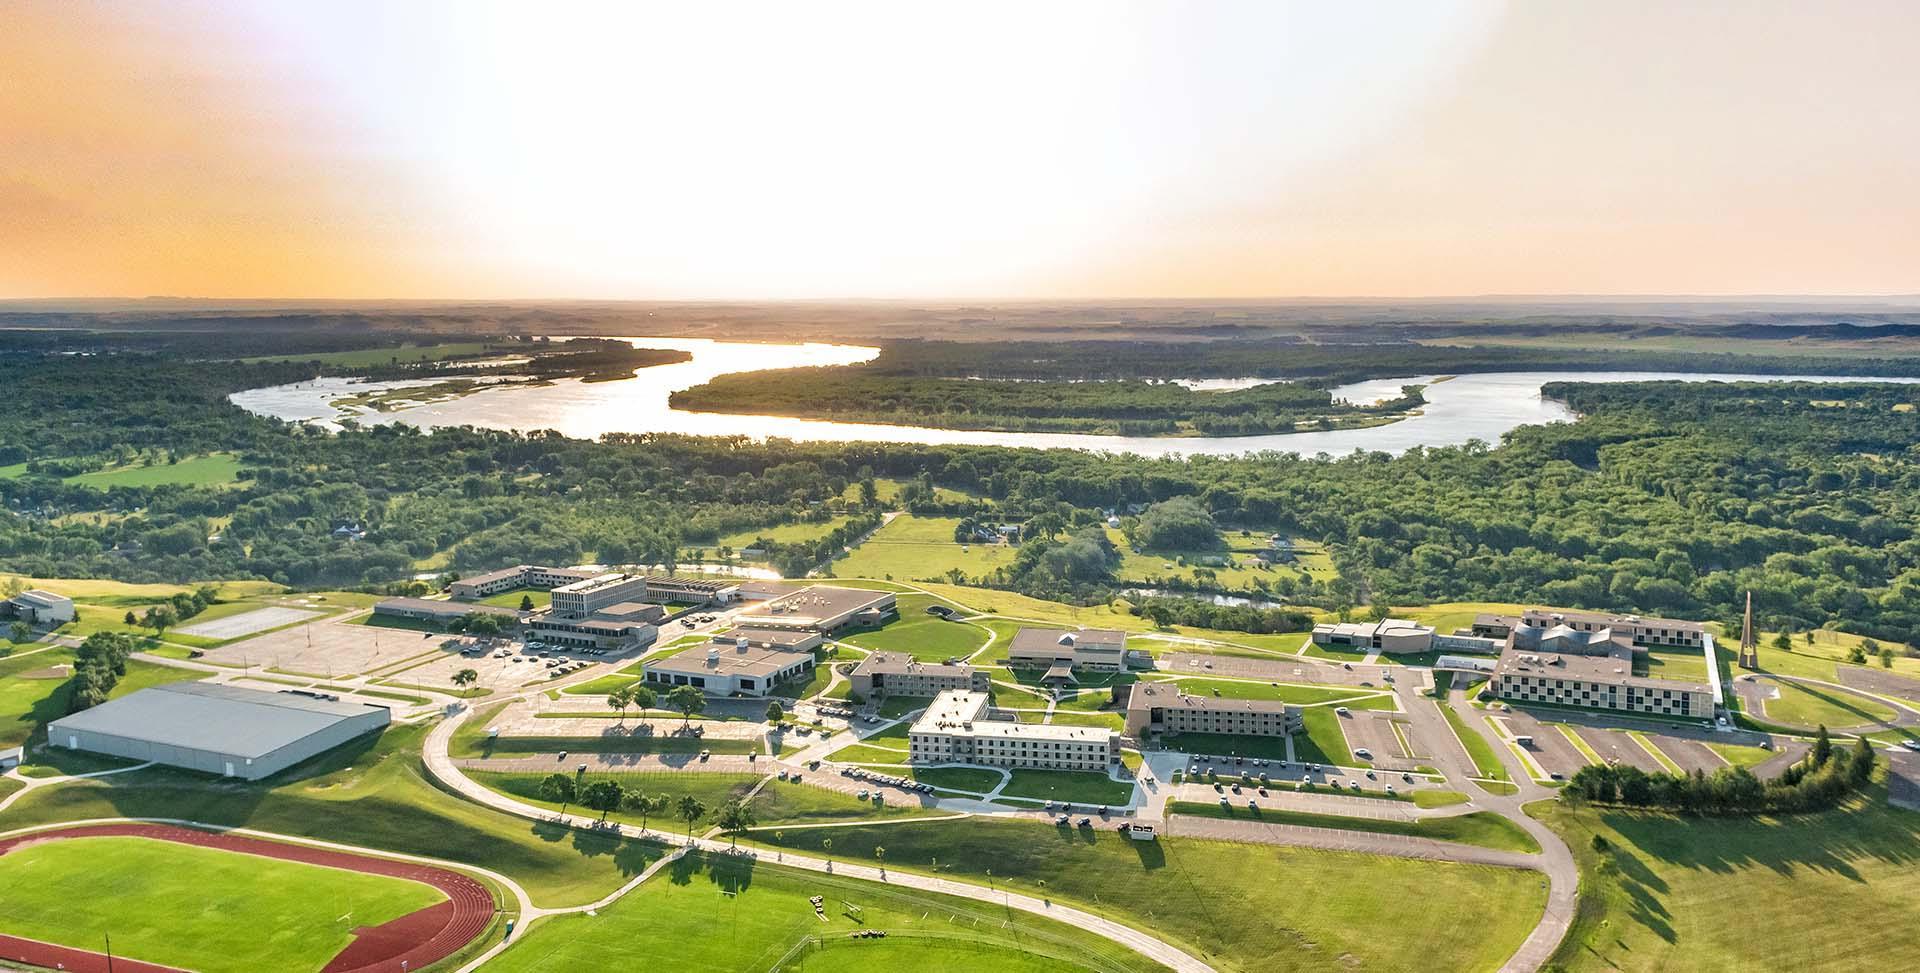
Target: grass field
{"type": "Point", "coordinates": [1483, 828]}
{"type": "Point", "coordinates": [1676, 664]}
{"type": "Point", "coordinates": [1486, 763]}
{"type": "Point", "coordinates": [1233, 565]}
{"type": "Point", "coordinates": [371, 792]}
{"type": "Point", "coordinates": [195, 908]}
{"type": "Point", "coordinates": [1325, 741]}
{"type": "Point", "coordinates": [708, 913]}
{"type": "Point", "coordinates": [925, 637]}
{"type": "Point", "coordinates": [1075, 788]}
{"type": "Point", "coordinates": [208, 470]}
{"type": "Point", "coordinates": [911, 548]}
{"type": "Point", "coordinates": [1233, 745]}
{"type": "Point", "coordinates": [1809, 705]}
{"type": "Point", "coordinates": [1723, 895]}
{"type": "Point", "coordinates": [783, 534]}
{"type": "Point", "coordinates": [1285, 692]}
{"type": "Point", "coordinates": [1240, 907]}
{"type": "Point", "coordinates": [511, 599]}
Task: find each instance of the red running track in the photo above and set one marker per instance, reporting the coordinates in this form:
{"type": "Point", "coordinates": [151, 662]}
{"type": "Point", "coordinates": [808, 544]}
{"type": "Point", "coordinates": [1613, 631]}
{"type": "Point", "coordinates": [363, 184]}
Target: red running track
{"type": "Point", "coordinates": [416, 940]}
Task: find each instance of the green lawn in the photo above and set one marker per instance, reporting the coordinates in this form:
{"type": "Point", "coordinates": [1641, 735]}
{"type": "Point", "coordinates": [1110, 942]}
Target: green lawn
{"type": "Point", "coordinates": [913, 548]}
{"type": "Point", "coordinates": [511, 599]}
{"type": "Point", "coordinates": [1485, 762]}
{"type": "Point", "coordinates": [1239, 907]}
{"type": "Point", "coordinates": [29, 704]}
{"type": "Point", "coordinates": [1809, 705]}
{"type": "Point", "coordinates": [1325, 741]}
{"type": "Point", "coordinates": [860, 753]}
{"type": "Point", "coordinates": [777, 803]}
{"type": "Point", "coordinates": [191, 907]}
{"type": "Point", "coordinates": [976, 780]}
{"type": "Point", "coordinates": [1721, 895]}
{"type": "Point", "coordinates": [631, 676]}
{"type": "Point", "coordinates": [713, 913]}
{"type": "Point", "coordinates": [506, 746]}
{"type": "Point", "coordinates": [783, 534]}
{"type": "Point", "coordinates": [1233, 745]}
{"type": "Point", "coordinates": [207, 470]}
{"type": "Point", "coordinates": [371, 792]}
{"type": "Point", "coordinates": [925, 637]}
{"type": "Point", "coordinates": [1686, 666]}
{"type": "Point", "coordinates": [1483, 828]}
{"type": "Point", "coordinates": [1075, 787]}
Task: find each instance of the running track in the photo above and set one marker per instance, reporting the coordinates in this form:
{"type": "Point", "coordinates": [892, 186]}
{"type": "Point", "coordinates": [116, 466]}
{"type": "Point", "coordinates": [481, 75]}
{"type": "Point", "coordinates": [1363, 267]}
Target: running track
{"type": "Point", "coordinates": [415, 940]}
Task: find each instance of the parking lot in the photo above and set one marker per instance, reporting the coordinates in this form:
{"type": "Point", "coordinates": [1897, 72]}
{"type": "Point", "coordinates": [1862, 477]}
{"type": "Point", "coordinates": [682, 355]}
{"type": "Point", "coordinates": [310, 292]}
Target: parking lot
{"type": "Point", "coordinates": [329, 649]}
{"type": "Point", "coordinates": [1550, 748]}
{"type": "Point", "coordinates": [1373, 731]}
{"type": "Point", "coordinates": [246, 623]}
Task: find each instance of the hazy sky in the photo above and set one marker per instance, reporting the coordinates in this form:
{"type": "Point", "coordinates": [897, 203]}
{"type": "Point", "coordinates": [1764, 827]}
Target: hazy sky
{"type": "Point", "coordinates": [888, 149]}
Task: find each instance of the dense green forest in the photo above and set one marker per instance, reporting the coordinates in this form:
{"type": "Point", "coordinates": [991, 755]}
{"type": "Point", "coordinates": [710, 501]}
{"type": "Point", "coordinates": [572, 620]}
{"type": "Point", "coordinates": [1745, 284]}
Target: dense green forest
{"type": "Point", "coordinates": [1665, 498]}
{"type": "Point", "coordinates": [1119, 408]}
{"type": "Point", "coordinates": [1322, 364]}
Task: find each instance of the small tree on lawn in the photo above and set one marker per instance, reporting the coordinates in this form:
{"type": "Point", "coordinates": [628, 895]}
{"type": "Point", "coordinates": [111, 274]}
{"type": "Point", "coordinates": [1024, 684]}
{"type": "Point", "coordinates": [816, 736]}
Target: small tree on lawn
{"type": "Point", "coordinates": [526, 603]}
{"type": "Point", "coordinates": [620, 699]}
{"type": "Point", "coordinates": [635, 801]}
{"type": "Point", "coordinates": [643, 697]}
{"type": "Point", "coordinates": [735, 816]}
{"type": "Point", "coordinates": [1822, 747]}
{"type": "Point", "coordinates": [132, 620]}
{"type": "Point", "coordinates": [559, 789]}
{"type": "Point", "coordinates": [691, 811]}
{"type": "Point", "coordinates": [775, 712]}
{"type": "Point", "coordinates": [688, 700]}
{"type": "Point", "coordinates": [160, 618]}
{"type": "Point", "coordinates": [603, 796]}
{"type": "Point", "coordinates": [1784, 642]}
{"type": "Point", "coordinates": [465, 678]}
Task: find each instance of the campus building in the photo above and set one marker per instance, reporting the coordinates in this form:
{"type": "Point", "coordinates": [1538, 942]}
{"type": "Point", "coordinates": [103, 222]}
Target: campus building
{"type": "Point", "coordinates": [1160, 707]}
{"type": "Point", "coordinates": [1386, 635]}
{"type": "Point", "coordinates": [218, 729]}
{"type": "Point", "coordinates": [579, 599]}
{"type": "Point", "coordinates": [772, 638]}
{"type": "Point", "coordinates": [439, 612]}
{"type": "Point", "coordinates": [899, 674]}
{"type": "Point", "coordinates": [962, 727]}
{"type": "Point", "coordinates": [1670, 633]}
{"type": "Point", "coordinates": [693, 591]}
{"type": "Point", "coordinates": [1063, 653]}
{"type": "Point", "coordinates": [519, 576]}
{"type": "Point", "coordinates": [821, 608]}
{"type": "Point", "coordinates": [738, 669]}
{"type": "Point", "coordinates": [1593, 672]}
{"type": "Point", "coordinates": [36, 606]}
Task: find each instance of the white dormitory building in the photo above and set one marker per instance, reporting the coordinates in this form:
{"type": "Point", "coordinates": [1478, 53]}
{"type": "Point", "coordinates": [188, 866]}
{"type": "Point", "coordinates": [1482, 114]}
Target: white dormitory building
{"type": "Point", "coordinates": [962, 727]}
{"type": "Point", "coordinates": [1160, 707]}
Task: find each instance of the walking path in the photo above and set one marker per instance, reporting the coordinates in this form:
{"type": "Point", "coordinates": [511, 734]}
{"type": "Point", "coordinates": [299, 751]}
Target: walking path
{"type": "Point", "coordinates": [444, 770]}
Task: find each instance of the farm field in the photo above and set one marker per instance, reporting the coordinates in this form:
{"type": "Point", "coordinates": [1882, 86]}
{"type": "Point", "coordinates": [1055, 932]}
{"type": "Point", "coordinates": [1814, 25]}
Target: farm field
{"type": "Point", "coordinates": [192, 907]}
{"type": "Point", "coordinates": [1221, 901]}
{"type": "Point", "coordinates": [726, 914]}
{"type": "Point", "coordinates": [1659, 897]}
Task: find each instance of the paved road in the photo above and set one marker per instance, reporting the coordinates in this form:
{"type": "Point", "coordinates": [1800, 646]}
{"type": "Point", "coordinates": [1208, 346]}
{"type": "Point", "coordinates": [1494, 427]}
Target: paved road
{"type": "Point", "coordinates": [1753, 695]}
{"type": "Point", "coordinates": [445, 770]}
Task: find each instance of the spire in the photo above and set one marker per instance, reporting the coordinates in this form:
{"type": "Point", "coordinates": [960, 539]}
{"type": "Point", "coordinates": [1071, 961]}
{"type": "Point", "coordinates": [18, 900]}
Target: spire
{"type": "Point", "coordinates": [1749, 640]}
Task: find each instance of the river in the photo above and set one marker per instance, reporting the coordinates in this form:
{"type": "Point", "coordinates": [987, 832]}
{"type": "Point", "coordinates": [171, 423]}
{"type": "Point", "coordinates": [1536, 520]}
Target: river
{"type": "Point", "coordinates": [1481, 406]}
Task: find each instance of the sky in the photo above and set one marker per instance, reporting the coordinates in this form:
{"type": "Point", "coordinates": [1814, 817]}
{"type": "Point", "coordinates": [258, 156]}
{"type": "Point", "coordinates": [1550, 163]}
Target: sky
{"type": "Point", "coordinates": [729, 150]}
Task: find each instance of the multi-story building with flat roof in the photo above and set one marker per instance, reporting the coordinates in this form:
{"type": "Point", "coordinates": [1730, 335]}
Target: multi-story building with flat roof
{"type": "Point", "coordinates": [439, 612]}
{"type": "Point", "coordinates": [1160, 707]}
{"type": "Point", "coordinates": [771, 638]}
{"type": "Point", "coordinates": [1601, 679]}
{"type": "Point", "coordinates": [899, 674]}
{"type": "Point", "coordinates": [1082, 650]}
{"type": "Point", "coordinates": [697, 591]}
{"type": "Point", "coordinates": [821, 608]}
{"type": "Point", "coordinates": [1644, 632]}
{"type": "Point", "coordinates": [478, 586]}
{"type": "Point", "coordinates": [962, 727]}
{"type": "Point", "coordinates": [1386, 635]}
{"type": "Point", "coordinates": [582, 598]}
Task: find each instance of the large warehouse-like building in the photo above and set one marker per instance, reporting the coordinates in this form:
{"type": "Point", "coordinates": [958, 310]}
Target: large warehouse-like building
{"type": "Point", "coordinates": [223, 730]}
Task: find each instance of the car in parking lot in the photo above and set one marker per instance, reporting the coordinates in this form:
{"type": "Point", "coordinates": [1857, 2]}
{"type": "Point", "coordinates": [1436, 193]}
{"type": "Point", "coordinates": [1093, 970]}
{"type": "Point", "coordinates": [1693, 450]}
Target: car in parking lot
{"type": "Point", "coordinates": [1911, 744]}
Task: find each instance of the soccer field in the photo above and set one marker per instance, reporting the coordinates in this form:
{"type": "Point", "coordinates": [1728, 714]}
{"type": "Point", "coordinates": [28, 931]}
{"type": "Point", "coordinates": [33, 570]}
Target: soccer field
{"type": "Point", "coordinates": [192, 907]}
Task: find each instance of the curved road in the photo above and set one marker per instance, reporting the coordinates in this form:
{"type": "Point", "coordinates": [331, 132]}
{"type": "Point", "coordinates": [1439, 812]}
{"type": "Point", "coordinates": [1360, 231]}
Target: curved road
{"type": "Point", "coordinates": [444, 770]}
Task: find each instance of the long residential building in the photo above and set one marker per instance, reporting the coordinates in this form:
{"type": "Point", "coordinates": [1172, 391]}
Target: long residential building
{"type": "Point", "coordinates": [1160, 707]}
{"type": "Point", "coordinates": [1672, 633]}
{"type": "Point", "coordinates": [482, 585]}
{"type": "Point", "coordinates": [961, 727]}
{"type": "Point", "coordinates": [899, 674]}
{"type": "Point", "coordinates": [439, 612]}
{"type": "Point", "coordinates": [1597, 681]}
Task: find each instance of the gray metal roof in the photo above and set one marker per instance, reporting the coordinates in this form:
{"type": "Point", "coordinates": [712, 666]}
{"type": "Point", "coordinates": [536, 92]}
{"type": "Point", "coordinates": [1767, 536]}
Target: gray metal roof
{"type": "Point", "coordinates": [221, 719]}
